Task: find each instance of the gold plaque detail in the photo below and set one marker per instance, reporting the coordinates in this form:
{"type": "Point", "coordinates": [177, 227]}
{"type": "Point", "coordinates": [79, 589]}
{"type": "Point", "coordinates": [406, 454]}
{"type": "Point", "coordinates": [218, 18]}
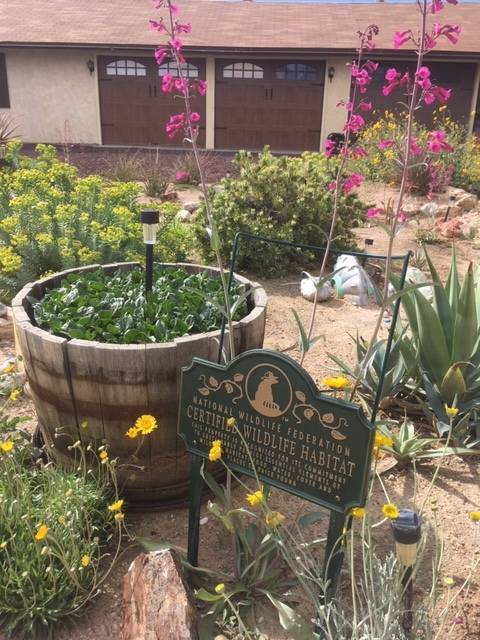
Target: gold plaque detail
{"type": "Point", "coordinates": [268, 390]}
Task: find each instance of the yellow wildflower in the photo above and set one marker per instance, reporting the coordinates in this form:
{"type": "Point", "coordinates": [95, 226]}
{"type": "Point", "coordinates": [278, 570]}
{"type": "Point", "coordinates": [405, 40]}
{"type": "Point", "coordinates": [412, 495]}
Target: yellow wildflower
{"type": "Point", "coordinates": [474, 516]}
{"type": "Point", "coordinates": [451, 411]}
{"type": "Point", "coordinates": [220, 588]}
{"type": "Point", "coordinates": [14, 395]}
{"type": "Point", "coordinates": [42, 532]}
{"type": "Point", "coordinates": [103, 456]}
{"type": "Point", "coordinates": [448, 582]}
{"type": "Point", "coordinates": [274, 519]}
{"type": "Point", "coordinates": [9, 369]}
{"type": "Point", "coordinates": [146, 424]}
{"type": "Point", "coordinates": [116, 506]}
{"type": "Point", "coordinates": [85, 560]}
{"type": "Point", "coordinates": [383, 441]}
{"type": "Point", "coordinates": [390, 511]}
{"type": "Point", "coordinates": [254, 499]}
{"type": "Point", "coordinates": [215, 452]}
{"type": "Point", "coordinates": [358, 512]}
{"type": "Point", "coordinates": [68, 493]}
{"type": "Point", "coordinates": [119, 516]}
{"type": "Point", "coordinates": [133, 432]}
{"type": "Point", "coordinates": [231, 422]}
{"type": "Point", "coordinates": [6, 446]}
{"type": "Point", "coordinates": [336, 382]}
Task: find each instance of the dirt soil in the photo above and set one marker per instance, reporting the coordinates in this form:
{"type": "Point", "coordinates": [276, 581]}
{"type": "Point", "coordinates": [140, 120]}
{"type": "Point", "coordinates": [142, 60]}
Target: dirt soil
{"type": "Point", "coordinates": [457, 488]}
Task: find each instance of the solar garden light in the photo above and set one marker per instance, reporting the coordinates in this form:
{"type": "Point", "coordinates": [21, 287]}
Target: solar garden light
{"type": "Point", "coordinates": [149, 219]}
{"type": "Point", "coordinates": [407, 531]}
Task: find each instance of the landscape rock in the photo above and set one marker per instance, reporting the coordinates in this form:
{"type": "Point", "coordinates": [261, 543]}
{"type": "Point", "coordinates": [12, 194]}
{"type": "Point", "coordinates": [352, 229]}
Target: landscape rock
{"type": "Point", "coordinates": [184, 215]}
{"type": "Point", "coordinates": [191, 206]}
{"type": "Point", "coordinates": [429, 209]}
{"type": "Point", "coordinates": [3, 310]}
{"type": "Point", "coordinates": [411, 209]}
{"type": "Point", "coordinates": [453, 211]}
{"type": "Point", "coordinates": [467, 202]}
{"type": "Point", "coordinates": [157, 601]}
{"type": "Point", "coordinates": [450, 229]}
{"type": "Point", "coordinates": [455, 192]}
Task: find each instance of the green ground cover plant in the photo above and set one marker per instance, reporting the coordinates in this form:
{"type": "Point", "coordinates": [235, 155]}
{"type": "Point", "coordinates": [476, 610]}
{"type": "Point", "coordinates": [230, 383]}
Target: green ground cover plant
{"type": "Point", "coordinates": [51, 219]}
{"type": "Point", "coordinates": [282, 197]}
{"type": "Point", "coordinates": [59, 535]}
{"type": "Point", "coordinates": [114, 309]}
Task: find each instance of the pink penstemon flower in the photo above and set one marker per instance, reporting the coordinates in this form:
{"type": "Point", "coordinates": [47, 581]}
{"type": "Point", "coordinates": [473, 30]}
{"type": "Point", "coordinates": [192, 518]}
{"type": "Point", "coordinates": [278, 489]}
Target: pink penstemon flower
{"type": "Point", "coordinates": [385, 144]}
{"type": "Point", "coordinates": [437, 142]}
{"type": "Point", "coordinates": [330, 148]}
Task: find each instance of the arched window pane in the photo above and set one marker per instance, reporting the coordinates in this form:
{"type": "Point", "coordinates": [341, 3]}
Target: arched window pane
{"type": "Point", "coordinates": [126, 68]}
{"type": "Point", "coordinates": [243, 71]}
{"type": "Point", "coordinates": [189, 70]}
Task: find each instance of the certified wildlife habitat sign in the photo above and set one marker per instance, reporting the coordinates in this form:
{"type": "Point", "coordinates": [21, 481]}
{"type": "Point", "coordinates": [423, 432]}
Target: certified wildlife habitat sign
{"type": "Point", "coordinates": [300, 440]}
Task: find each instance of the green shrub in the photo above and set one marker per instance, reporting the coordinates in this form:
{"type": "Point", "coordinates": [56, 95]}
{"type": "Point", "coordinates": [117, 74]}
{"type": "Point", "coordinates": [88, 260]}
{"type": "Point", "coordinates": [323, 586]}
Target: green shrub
{"type": "Point", "coordinates": [467, 168]}
{"type": "Point", "coordinates": [54, 525]}
{"type": "Point", "coordinates": [94, 306]}
{"type": "Point", "coordinates": [280, 197]}
{"type": "Point", "coordinates": [50, 219]}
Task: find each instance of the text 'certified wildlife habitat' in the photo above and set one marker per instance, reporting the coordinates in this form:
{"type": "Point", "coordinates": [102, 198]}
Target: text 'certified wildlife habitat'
{"type": "Point", "coordinates": [300, 440]}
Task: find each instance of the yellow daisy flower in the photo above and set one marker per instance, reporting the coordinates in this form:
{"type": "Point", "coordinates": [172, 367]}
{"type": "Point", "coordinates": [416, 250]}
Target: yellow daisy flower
{"type": "Point", "coordinates": [474, 516]}
{"type": "Point", "coordinates": [7, 446]}
{"type": "Point", "coordinates": [9, 369]}
{"type": "Point", "coordinates": [231, 422]}
{"type": "Point", "coordinates": [14, 395]}
{"type": "Point", "coordinates": [146, 424]}
{"type": "Point", "coordinates": [274, 519]}
{"type": "Point", "coordinates": [254, 499]}
{"type": "Point", "coordinates": [390, 511]}
{"type": "Point", "coordinates": [85, 560]}
{"type": "Point", "coordinates": [358, 512]}
{"type": "Point", "coordinates": [42, 532]}
{"type": "Point", "coordinates": [220, 588]}
{"type": "Point", "coordinates": [448, 582]}
{"type": "Point", "coordinates": [451, 411]}
{"type": "Point", "coordinates": [336, 382]}
{"type": "Point", "coordinates": [215, 452]}
{"type": "Point", "coordinates": [133, 432]}
{"type": "Point", "coordinates": [116, 506]}
{"type": "Point", "coordinates": [119, 516]}
{"type": "Point", "coordinates": [103, 455]}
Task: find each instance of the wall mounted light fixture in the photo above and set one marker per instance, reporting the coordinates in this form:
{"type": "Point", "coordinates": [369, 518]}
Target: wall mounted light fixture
{"type": "Point", "coordinates": [331, 73]}
{"type": "Point", "coordinates": [91, 66]}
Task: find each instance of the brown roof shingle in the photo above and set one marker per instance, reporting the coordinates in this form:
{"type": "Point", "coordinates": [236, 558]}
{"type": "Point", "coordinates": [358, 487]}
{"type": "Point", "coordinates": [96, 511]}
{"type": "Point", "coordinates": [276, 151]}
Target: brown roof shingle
{"type": "Point", "coordinates": [223, 25]}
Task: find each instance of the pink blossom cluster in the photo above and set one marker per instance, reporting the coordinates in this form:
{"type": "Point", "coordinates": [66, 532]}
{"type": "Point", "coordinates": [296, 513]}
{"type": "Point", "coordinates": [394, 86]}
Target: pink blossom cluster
{"type": "Point", "coordinates": [449, 31]}
{"type": "Point", "coordinates": [184, 86]}
{"type": "Point", "coordinates": [430, 92]}
{"type": "Point", "coordinates": [362, 75]}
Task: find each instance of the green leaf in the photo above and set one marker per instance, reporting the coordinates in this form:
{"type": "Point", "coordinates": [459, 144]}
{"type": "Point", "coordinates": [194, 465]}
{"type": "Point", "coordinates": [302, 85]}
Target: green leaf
{"type": "Point", "coordinates": [433, 350]}
{"type": "Point", "coordinates": [206, 596]}
{"type": "Point", "coordinates": [465, 334]}
{"type": "Point", "coordinates": [291, 621]}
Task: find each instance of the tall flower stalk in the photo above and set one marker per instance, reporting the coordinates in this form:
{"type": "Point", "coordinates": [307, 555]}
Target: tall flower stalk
{"type": "Point", "coordinates": [361, 75]}
{"type": "Point", "coordinates": [186, 122]}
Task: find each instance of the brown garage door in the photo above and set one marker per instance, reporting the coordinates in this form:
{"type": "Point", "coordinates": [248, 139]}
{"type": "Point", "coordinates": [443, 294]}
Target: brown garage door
{"type": "Point", "coordinates": [134, 109]}
{"type": "Point", "coordinates": [260, 102]}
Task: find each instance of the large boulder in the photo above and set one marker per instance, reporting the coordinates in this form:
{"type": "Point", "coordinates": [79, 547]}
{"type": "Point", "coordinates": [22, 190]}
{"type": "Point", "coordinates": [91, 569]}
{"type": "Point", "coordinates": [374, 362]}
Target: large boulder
{"type": "Point", "coordinates": [157, 601]}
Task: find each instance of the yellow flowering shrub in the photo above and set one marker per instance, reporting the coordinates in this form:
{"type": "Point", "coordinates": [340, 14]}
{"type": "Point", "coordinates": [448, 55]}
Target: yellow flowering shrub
{"type": "Point", "coordinates": [440, 170]}
{"type": "Point", "coordinates": [51, 219]}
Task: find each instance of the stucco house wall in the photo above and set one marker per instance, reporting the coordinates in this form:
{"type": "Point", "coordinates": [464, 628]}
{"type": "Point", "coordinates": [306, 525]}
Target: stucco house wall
{"type": "Point", "coordinates": [53, 96]}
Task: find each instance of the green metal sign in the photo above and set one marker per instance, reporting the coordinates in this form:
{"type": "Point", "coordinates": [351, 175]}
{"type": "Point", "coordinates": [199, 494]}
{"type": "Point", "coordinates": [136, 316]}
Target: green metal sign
{"type": "Point", "coordinates": [300, 440]}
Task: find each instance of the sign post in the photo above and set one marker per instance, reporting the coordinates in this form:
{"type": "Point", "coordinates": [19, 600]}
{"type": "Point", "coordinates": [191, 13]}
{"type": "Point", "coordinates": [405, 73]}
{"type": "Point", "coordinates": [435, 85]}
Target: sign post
{"type": "Point", "coordinates": [300, 440]}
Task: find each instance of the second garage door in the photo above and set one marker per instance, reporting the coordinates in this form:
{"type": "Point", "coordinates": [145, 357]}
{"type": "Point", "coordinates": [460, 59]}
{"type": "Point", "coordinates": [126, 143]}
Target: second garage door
{"type": "Point", "coordinates": [276, 103]}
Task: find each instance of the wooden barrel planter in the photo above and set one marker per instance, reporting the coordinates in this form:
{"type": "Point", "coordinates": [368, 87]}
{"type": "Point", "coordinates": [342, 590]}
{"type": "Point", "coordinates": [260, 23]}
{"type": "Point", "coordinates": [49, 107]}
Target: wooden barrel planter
{"type": "Point", "coordinates": [93, 392]}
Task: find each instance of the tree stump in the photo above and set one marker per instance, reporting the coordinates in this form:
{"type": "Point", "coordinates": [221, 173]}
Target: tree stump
{"type": "Point", "coordinates": [157, 602]}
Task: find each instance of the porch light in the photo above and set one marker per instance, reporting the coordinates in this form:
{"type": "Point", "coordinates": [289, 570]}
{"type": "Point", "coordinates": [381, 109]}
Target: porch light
{"type": "Point", "coordinates": [331, 73]}
{"type": "Point", "coordinates": [149, 219]}
{"type": "Point", "coordinates": [91, 66]}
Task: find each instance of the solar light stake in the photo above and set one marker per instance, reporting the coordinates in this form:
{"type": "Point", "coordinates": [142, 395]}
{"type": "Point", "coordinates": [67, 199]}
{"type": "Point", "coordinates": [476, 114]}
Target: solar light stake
{"type": "Point", "coordinates": [149, 219]}
{"type": "Point", "coordinates": [407, 531]}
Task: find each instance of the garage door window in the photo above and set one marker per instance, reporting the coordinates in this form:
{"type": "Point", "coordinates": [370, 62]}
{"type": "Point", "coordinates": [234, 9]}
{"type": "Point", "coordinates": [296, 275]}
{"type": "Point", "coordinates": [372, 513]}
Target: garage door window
{"type": "Point", "coordinates": [243, 71]}
{"type": "Point", "coordinates": [126, 68]}
{"type": "Point", "coordinates": [189, 70]}
{"type": "Point", "coordinates": [296, 71]}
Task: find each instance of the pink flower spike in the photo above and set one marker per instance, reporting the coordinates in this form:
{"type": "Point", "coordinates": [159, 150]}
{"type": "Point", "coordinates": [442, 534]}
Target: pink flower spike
{"type": "Point", "coordinates": [437, 5]}
{"type": "Point", "coordinates": [173, 9]}
{"type": "Point", "coordinates": [437, 142]}
{"type": "Point", "coordinates": [183, 28]}
{"type": "Point", "coordinates": [355, 180]}
{"type": "Point", "coordinates": [392, 75]}
{"type": "Point", "coordinates": [374, 212]}
{"type": "Point", "coordinates": [385, 144]}
{"type": "Point", "coordinates": [194, 116]}
{"type": "Point", "coordinates": [365, 106]}
{"type": "Point", "coordinates": [400, 38]}
{"type": "Point", "coordinates": [160, 55]}
{"type": "Point", "coordinates": [167, 83]}
{"type": "Point", "coordinates": [355, 123]}
{"type": "Point", "coordinates": [201, 87]}
{"type": "Point", "coordinates": [402, 217]}
{"type": "Point", "coordinates": [176, 44]}
{"type": "Point", "coordinates": [330, 147]}
{"type": "Point", "coordinates": [157, 26]}
{"type": "Point", "coordinates": [415, 147]}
